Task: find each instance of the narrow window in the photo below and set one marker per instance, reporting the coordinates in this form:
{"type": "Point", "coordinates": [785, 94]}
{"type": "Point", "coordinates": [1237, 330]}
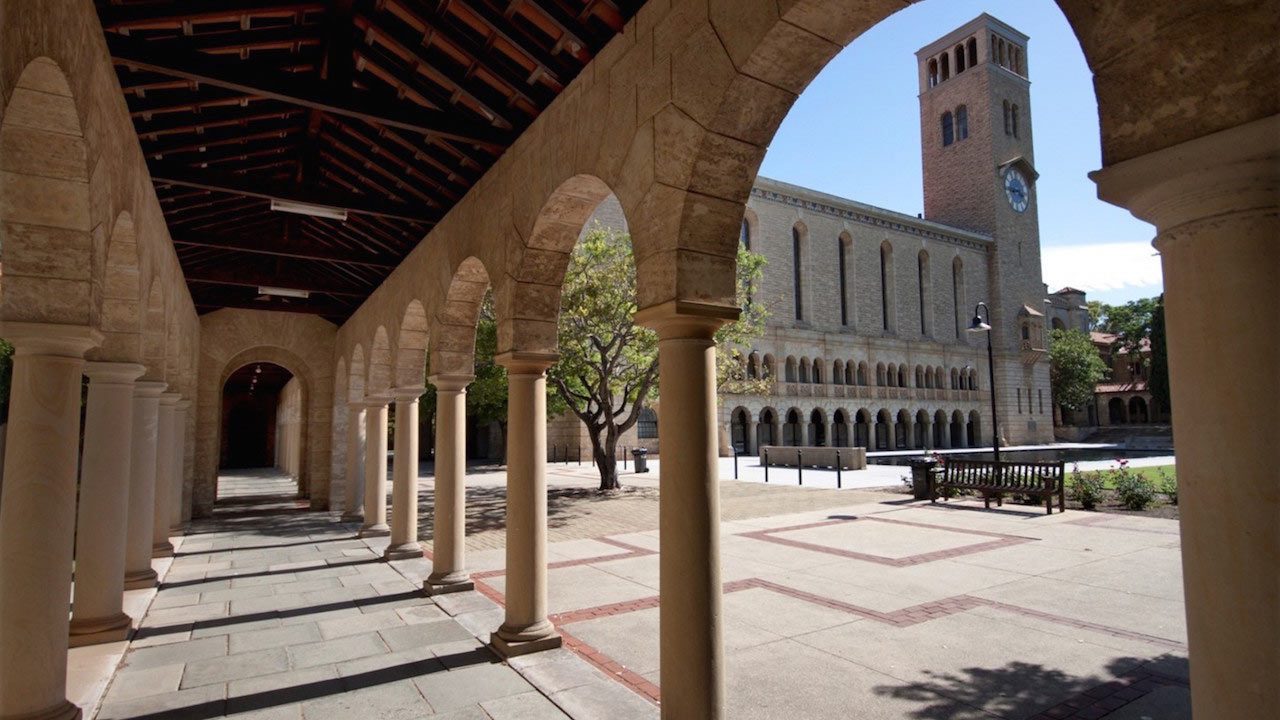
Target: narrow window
{"type": "Point", "coordinates": [1008, 127]}
{"type": "Point", "coordinates": [798, 278]}
{"type": "Point", "coordinates": [962, 122]}
{"type": "Point", "coordinates": [1040, 399]}
{"type": "Point", "coordinates": [1019, 401]}
{"type": "Point", "coordinates": [960, 58]}
{"type": "Point", "coordinates": [948, 129]}
{"type": "Point", "coordinates": [886, 292]}
{"type": "Point", "coordinates": [922, 287]}
{"type": "Point", "coordinates": [844, 290]}
{"type": "Point", "coordinates": [957, 294]}
{"type": "Point", "coordinates": [1014, 114]}
{"type": "Point", "coordinates": [933, 73]}
{"type": "Point", "coordinates": [946, 66]}
{"type": "Point", "coordinates": [745, 236]}
{"type": "Point", "coordinates": [1003, 57]}
{"type": "Point", "coordinates": [973, 52]}
{"type": "Point", "coordinates": [994, 54]}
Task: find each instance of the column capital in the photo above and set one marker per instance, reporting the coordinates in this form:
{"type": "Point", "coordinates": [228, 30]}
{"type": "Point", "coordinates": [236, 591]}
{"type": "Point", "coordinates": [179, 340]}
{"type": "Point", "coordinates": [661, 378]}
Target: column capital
{"type": "Point", "coordinates": [113, 372]}
{"type": "Point", "coordinates": [149, 388]}
{"type": "Point", "coordinates": [451, 383]}
{"type": "Point", "coordinates": [407, 394]}
{"type": "Point", "coordinates": [685, 319]}
{"type": "Point", "coordinates": [1227, 172]}
{"type": "Point", "coordinates": [521, 362]}
{"type": "Point", "coordinates": [170, 399]}
{"type": "Point", "coordinates": [375, 401]}
{"type": "Point", "coordinates": [50, 338]}
{"type": "Point", "coordinates": [356, 406]}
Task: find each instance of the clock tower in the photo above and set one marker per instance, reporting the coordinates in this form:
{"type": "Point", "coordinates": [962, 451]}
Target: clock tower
{"type": "Point", "coordinates": [979, 175]}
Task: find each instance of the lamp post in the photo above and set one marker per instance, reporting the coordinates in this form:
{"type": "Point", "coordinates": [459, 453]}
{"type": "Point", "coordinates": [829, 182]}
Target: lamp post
{"type": "Point", "coordinates": [976, 326]}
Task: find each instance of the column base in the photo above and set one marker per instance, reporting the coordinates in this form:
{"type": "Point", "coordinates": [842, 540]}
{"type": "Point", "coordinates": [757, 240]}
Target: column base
{"type": "Point", "coordinates": [407, 551]}
{"type": "Point", "coordinates": [445, 584]}
{"type": "Point", "coordinates": [140, 579]}
{"type": "Point", "coordinates": [162, 550]}
{"type": "Point", "coordinates": [379, 530]}
{"type": "Point", "coordinates": [95, 631]}
{"type": "Point", "coordinates": [510, 643]}
{"type": "Point", "coordinates": [180, 529]}
{"type": "Point", "coordinates": [352, 517]}
{"type": "Point", "coordinates": [65, 711]}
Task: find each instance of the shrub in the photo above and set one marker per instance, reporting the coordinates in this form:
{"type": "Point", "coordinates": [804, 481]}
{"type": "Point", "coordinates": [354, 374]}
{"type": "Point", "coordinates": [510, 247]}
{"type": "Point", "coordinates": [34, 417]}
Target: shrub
{"type": "Point", "coordinates": [1087, 488]}
{"type": "Point", "coordinates": [1168, 485]}
{"type": "Point", "coordinates": [1135, 491]}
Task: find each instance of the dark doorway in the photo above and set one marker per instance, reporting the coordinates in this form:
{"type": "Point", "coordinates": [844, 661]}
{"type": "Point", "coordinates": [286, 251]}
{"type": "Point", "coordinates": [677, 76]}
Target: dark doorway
{"type": "Point", "coordinates": [250, 399]}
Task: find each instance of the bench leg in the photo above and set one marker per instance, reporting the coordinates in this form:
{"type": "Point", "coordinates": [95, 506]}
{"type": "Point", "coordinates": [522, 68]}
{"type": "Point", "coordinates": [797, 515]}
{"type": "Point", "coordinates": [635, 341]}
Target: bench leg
{"type": "Point", "coordinates": [986, 501]}
{"type": "Point", "coordinates": [1048, 503]}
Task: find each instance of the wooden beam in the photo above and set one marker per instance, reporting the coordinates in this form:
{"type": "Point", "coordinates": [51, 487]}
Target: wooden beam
{"type": "Point", "coordinates": [298, 305]}
{"type": "Point", "coordinates": [254, 278]}
{"type": "Point", "coordinates": [272, 244]}
{"type": "Point", "coordinates": [164, 172]}
{"type": "Point", "coordinates": [115, 17]}
{"type": "Point", "coordinates": [175, 58]}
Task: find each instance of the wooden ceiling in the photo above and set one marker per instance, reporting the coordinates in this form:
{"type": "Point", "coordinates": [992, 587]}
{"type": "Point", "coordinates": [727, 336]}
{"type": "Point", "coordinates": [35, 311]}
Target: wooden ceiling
{"type": "Point", "coordinates": [388, 109]}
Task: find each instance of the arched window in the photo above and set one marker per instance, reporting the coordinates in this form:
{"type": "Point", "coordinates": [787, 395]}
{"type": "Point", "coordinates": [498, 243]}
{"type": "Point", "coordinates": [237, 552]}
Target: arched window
{"type": "Point", "coordinates": [948, 129]}
{"type": "Point", "coordinates": [933, 73]}
{"type": "Point", "coordinates": [891, 376]}
{"type": "Point", "coordinates": [745, 235]}
{"type": "Point", "coordinates": [849, 373]}
{"type": "Point", "coordinates": [946, 66]}
{"type": "Point", "coordinates": [1003, 57]}
{"type": "Point", "coordinates": [973, 52]}
{"type": "Point", "coordinates": [647, 425]}
{"type": "Point", "coordinates": [845, 246]}
{"type": "Point", "coordinates": [1017, 59]}
{"type": "Point", "coordinates": [837, 372]}
{"type": "Point", "coordinates": [1008, 125]}
{"type": "Point", "coordinates": [797, 262]}
{"type": "Point", "coordinates": [886, 286]}
{"type": "Point", "coordinates": [960, 58]}
{"type": "Point", "coordinates": [923, 286]}
{"type": "Point", "coordinates": [902, 376]}
{"type": "Point", "coordinates": [957, 294]}
{"type": "Point", "coordinates": [804, 370]}
{"type": "Point", "coordinates": [752, 371]}
{"type": "Point", "coordinates": [1013, 112]}
{"type": "Point", "coordinates": [995, 53]}
{"type": "Point", "coordinates": [919, 377]}
{"type": "Point", "coordinates": [790, 370]}
{"type": "Point", "coordinates": [880, 375]}
{"type": "Point", "coordinates": [962, 122]}
{"type": "Point", "coordinates": [769, 371]}
{"type": "Point", "coordinates": [817, 372]}
{"type": "Point", "coordinates": [862, 373]}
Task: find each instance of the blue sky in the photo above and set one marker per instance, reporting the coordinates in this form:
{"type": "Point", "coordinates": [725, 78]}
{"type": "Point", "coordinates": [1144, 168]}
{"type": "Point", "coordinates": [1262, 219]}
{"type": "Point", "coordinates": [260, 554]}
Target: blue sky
{"type": "Point", "coordinates": [855, 132]}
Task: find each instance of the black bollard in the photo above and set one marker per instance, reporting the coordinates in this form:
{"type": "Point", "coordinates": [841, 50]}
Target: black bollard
{"type": "Point", "coordinates": [766, 466]}
{"type": "Point", "coordinates": [579, 456]}
{"type": "Point", "coordinates": [799, 467]}
{"type": "Point", "coordinates": [837, 469]}
{"type": "Point", "coordinates": [735, 462]}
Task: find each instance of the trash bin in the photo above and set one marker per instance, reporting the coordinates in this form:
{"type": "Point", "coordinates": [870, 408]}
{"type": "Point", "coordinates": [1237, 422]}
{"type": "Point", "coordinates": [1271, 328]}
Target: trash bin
{"type": "Point", "coordinates": [922, 477]}
{"type": "Point", "coordinates": [641, 458]}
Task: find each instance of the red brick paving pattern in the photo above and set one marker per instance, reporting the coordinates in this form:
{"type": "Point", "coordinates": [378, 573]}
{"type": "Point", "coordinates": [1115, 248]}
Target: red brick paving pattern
{"type": "Point", "coordinates": [1093, 703]}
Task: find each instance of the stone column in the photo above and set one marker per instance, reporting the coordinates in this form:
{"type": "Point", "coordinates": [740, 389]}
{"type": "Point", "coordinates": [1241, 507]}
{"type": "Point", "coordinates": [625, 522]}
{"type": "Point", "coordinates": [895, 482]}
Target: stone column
{"type": "Point", "coordinates": [1215, 202]}
{"type": "Point", "coordinates": [138, 572]}
{"type": "Point", "coordinates": [404, 487]}
{"type": "Point", "coordinates": [353, 492]}
{"type": "Point", "coordinates": [449, 549]}
{"type": "Point", "coordinates": [177, 490]}
{"type": "Point", "coordinates": [375, 469]}
{"type": "Point", "coordinates": [165, 435]}
{"type": "Point", "coordinates": [37, 516]}
{"type": "Point", "coordinates": [526, 628]}
{"type": "Point", "coordinates": [97, 615]}
{"type": "Point", "coordinates": [691, 644]}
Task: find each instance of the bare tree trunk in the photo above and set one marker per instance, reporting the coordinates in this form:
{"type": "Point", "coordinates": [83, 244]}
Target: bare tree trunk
{"type": "Point", "coordinates": [604, 452]}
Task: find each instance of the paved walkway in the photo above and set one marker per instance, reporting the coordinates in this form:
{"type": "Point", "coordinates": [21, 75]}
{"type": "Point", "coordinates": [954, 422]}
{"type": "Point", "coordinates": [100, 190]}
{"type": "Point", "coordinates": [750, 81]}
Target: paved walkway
{"type": "Point", "coordinates": [837, 603]}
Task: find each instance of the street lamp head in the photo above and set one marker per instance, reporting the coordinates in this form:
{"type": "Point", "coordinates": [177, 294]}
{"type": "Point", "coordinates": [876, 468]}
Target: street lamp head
{"type": "Point", "coordinates": [976, 325]}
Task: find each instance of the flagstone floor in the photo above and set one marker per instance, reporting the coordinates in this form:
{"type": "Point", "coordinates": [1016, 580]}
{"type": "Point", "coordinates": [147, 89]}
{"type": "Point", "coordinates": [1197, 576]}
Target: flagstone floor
{"type": "Point", "coordinates": [856, 605]}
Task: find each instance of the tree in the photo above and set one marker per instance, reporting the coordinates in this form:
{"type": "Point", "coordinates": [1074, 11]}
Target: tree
{"type": "Point", "coordinates": [1096, 311]}
{"type": "Point", "coordinates": [1130, 323]}
{"type": "Point", "coordinates": [1075, 368]}
{"type": "Point", "coordinates": [1158, 379]}
{"type": "Point", "coordinates": [608, 365]}
{"type": "Point", "coordinates": [735, 338]}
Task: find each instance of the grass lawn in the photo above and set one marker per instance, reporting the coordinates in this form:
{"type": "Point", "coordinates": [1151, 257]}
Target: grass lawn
{"type": "Point", "coordinates": [1150, 473]}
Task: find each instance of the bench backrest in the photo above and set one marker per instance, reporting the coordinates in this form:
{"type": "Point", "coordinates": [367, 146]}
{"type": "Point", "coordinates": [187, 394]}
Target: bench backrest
{"type": "Point", "coordinates": [1009, 476]}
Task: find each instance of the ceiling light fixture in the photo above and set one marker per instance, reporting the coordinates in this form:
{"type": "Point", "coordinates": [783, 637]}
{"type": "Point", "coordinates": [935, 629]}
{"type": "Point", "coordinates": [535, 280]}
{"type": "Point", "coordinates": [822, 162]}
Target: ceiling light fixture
{"type": "Point", "coordinates": [301, 208]}
{"type": "Point", "coordinates": [284, 292]}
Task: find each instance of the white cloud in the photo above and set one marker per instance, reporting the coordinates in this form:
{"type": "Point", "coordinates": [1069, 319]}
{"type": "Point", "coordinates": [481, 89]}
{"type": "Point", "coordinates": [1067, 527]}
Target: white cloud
{"type": "Point", "coordinates": [1101, 267]}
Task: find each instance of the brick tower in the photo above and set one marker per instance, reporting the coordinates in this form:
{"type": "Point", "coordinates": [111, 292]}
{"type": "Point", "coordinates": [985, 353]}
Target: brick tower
{"type": "Point", "coordinates": [979, 174]}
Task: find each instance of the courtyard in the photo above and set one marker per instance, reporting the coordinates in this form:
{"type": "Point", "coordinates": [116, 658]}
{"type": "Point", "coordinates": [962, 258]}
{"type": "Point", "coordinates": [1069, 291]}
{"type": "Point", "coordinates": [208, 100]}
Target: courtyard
{"type": "Point", "coordinates": [855, 602]}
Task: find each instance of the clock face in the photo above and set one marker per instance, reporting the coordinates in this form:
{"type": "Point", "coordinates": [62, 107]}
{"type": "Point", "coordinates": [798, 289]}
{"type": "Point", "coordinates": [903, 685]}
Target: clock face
{"type": "Point", "coordinates": [1015, 189]}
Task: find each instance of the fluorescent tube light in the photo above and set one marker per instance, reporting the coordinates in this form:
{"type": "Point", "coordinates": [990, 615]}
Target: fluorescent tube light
{"type": "Point", "coordinates": [302, 208]}
{"type": "Point", "coordinates": [284, 292]}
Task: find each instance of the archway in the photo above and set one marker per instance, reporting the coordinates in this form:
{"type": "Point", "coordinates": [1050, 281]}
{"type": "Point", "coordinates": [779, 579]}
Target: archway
{"type": "Point", "coordinates": [766, 433]}
{"type": "Point", "coordinates": [740, 430]}
{"type": "Point", "coordinates": [817, 428]}
{"type": "Point", "coordinates": [902, 431]}
{"type": "Point", "coordinates": [791, 429]}
{"type": "Point", "coordinates": [884, 430]}
{"type": "Point", "coordinates": [262, 408]}
{"type": "Point", "coordinates": [1116, 414]}
{"type": "Point", "coordinates": [840, 429]}
{"type": "Point", "coordinates": [974, 429]}
{"type": "Point", "coordinates": [940, 439]}
{"type": "Point", "coordinates": [922, 438]}
{"type": "Point", "coordinates": [1138, 410]}
{"type": "Point", "coordinates": [957, 430]}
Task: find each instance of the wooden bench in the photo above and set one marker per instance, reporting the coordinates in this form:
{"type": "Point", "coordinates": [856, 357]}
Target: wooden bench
{"type": "Point", "coordinates": [992, 479]}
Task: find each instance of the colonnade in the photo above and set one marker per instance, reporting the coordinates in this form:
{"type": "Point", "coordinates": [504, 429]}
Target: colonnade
{"type": "Point", "coordinates": [129, 500]}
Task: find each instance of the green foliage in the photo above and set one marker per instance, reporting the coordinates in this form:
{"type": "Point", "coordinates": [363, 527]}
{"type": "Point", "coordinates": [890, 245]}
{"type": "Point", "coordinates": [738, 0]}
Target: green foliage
{"type": "Point", "coordinates": [1075, 368]}
{"type": "Point", "coordinates": [733, 341]}
{"type": "Point", "coordinates": [1135, 491]}
{"type": "Point", "coordinates": [1130, 323]}
{"type": "Point", "coordinates": [608, 364]}
{"type": "Point", "coordinates": [1158, 379]}
{"type": "Point", "coordinates": [6, 377]}
{"type": "Point", "coordinates": [1087, 488]}
{"type": "Point", "coordinates": [1168, 485]}
{"type": "Point", "coordinates": [1096, 311]}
